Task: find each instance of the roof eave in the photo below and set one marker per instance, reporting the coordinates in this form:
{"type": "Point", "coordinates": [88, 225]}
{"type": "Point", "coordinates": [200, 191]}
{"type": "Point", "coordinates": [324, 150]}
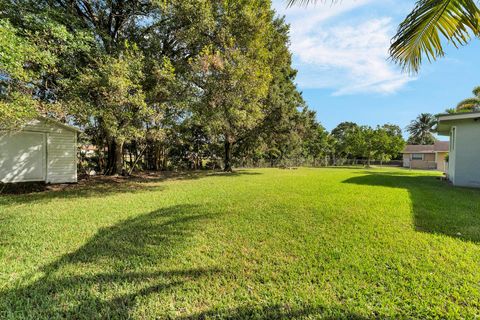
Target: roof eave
{"type": "Point", "coordinates": [63, 125]}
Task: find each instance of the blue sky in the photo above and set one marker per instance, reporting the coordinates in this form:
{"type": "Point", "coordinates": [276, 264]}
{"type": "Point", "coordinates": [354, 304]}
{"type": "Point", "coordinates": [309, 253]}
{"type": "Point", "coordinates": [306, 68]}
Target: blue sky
{"type": "Point", "coordinates": [341, 54]}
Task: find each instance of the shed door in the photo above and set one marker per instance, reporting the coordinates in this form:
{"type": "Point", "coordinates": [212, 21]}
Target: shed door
{"type": "Point", "coordinates": [22, 157]}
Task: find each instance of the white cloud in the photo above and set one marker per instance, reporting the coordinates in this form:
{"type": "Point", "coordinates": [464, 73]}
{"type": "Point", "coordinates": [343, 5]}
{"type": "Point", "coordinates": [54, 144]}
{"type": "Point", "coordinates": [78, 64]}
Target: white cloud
{"type": "Point", "coordinates": [347, 55]}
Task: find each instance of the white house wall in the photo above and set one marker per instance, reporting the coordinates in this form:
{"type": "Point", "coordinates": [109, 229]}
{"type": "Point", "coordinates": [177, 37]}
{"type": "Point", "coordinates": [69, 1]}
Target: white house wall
{"type": "Point", "coordinates": [466, 158]}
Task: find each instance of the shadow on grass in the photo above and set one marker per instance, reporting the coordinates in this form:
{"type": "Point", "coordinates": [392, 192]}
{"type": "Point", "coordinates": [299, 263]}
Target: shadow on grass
{"type": "Point", "coordinates": [276, 312]}
{"type": "Point", "coordinates": [104, 186]}
{"type": "Point", "coordinates": [437, 207]}
{"type": "Point", "coordinates": [119, 265]}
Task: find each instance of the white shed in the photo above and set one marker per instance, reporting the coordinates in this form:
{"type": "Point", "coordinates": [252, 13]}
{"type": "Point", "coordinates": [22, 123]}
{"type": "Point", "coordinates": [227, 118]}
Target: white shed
{"type": "Point", "coordinates": [43, 150]}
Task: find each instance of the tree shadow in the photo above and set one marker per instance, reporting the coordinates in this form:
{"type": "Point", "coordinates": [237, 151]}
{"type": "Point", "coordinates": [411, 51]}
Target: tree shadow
{"type": "Point", "coordinates": [104, 186]}
{"type": "Point", "coordinates": [105, 277]}
{"type": "Point", "coordinates": [276, 311]}
{"type": "Point", "coordinates": [437, 207]}
{"type": "Point", "coordinates": [234, 173]}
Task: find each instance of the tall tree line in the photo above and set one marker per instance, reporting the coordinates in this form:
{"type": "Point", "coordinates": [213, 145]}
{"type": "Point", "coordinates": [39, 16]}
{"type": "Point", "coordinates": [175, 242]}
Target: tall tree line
{"type": "Point", "coordinates": [171, 81]}
{"type": "Point", "coordinates": [160, 84]}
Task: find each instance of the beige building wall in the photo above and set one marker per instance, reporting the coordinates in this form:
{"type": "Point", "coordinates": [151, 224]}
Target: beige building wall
{"type": "Point", "coordinates": [428, 162]}
{"type": "Point", "coordinates": [441, 163]}
{"type": "Point", "coordinates": [429, 157]}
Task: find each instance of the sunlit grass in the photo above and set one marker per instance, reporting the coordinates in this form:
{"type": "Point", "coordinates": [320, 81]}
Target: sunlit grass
{"type": "Point", "coordinates": [265, 243]}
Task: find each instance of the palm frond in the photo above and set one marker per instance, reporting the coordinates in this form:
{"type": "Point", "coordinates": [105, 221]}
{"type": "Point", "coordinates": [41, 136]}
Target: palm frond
{"type": "Point", "coordinates": [291, 3]}
{"type": "Point", "coordinates": [420, 33]}
{"type": "Point", "coordinates": [476, 92]}
{"type": "Point", "coordinates": [451, 110]}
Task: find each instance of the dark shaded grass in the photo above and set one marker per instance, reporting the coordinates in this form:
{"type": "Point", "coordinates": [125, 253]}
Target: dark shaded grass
{"type": "Point", "coordinates": [100, 186]}
{"type": "Point", "coordinates": [438, 207]}
{"type": "Point", "coordinates": [124, 251]}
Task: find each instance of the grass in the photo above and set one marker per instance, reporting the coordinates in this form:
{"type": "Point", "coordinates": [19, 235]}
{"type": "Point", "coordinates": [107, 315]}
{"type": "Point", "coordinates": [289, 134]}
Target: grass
{"type": "Point", "coordinates": [262, 244]}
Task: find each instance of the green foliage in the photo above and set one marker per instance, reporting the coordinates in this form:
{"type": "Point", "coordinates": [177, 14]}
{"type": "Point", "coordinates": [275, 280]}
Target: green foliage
{"type": "Point", "coordinates": [35, 57]}
{"type": "Point", "coordinates": [16, 109]}
{"type": "Point", "coordinates": [389, 142]}
{"type": "Point", "coordinates": [111, 92]}
{"type": "Point", "coordinates": [382, 143]}
{"type": "Point", "coordinates": [346, 136]}
{"type": "Point", "coordinates": [232, 72]}
{"type": "Point", "coordinates": [170, 84]}
{"type": "Point", "coordinates": [470, 104]}
{"type": "Point", "coordinates": [21, 63]}
{"type": "Point", "coordinates": [421, 130]}
{"type": "Point", "coordinates": [233, 86]}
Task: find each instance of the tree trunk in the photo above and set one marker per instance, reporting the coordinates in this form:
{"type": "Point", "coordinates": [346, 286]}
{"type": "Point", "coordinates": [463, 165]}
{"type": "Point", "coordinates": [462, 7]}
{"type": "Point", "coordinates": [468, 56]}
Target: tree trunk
{"type": "Point", "coordinates": [109, 168]}
{"type": "Point", "coordinates": [101, 158]}
{"type": "Point", "coordinates": [119, 157]}
{"type": "Point", "coordinates": [228, 156]}
{"type": "Point", "coordinates": [115, 157]}
{"type": "Point", "coordinates": [164, 159]}
{"type": "Point", "coordinates": [130, 157]}
{"type": "Point", "coordinates": [199, 163]}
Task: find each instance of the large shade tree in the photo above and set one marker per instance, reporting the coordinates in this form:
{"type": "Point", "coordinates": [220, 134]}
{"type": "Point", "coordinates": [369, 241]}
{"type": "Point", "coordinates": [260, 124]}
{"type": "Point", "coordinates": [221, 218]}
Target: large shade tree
{"type": "Point", "coordinates": [110, 94]}
{"type": "Point", "coordinates": [346, 136]}
{"type": "Point", "coordinates": [232, 72]}
{"type": "Point", "coordinates": [161, 84]}
{"type": "Point", "coordinates": [389, 142]}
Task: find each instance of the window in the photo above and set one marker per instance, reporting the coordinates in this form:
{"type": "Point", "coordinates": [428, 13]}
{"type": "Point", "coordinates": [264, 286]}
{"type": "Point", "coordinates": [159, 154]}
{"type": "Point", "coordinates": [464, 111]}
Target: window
{"type": "Point", "coordinates": [453, 134]}
{"type": "Point", "coordinates": [417, 156]}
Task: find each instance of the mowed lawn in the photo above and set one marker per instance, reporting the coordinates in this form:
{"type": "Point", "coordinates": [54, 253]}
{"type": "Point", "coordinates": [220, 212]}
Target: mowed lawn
{"type": "Point", "coordinates": [261, 244]}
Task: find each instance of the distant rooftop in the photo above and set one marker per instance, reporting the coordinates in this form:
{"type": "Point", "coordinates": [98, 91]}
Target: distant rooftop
{"type": "Point", "coordinates": [439, 146]}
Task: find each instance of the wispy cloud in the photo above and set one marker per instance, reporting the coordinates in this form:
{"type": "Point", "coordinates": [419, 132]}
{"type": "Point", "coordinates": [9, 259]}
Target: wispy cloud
{"type": "Point", "coordinates": [334, 51]}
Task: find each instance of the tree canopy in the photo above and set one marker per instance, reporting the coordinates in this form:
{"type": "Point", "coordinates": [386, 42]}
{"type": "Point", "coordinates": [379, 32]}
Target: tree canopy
{"type": "Point", "coordinates": [167, 85]}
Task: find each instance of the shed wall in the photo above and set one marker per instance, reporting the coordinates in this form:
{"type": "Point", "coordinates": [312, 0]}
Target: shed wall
{"type": "Point", "coordinates": [60, 151]}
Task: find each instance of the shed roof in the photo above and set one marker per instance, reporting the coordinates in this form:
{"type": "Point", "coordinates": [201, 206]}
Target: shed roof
{"type": "Point", "coordinates": [61, 124]}
{"type": "Point", "coordinates": [439, 146]}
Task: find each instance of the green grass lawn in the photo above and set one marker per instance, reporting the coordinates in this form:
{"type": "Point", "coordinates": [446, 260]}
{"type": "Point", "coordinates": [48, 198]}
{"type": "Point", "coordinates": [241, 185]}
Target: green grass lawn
{"type": "Point", "coordinates": [266, 243]}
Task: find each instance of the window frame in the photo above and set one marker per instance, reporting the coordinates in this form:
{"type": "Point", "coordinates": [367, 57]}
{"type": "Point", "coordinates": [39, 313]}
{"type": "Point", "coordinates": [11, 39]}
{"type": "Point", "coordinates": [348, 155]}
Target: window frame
{"type": "Point", "coordinates": [453, 138]}
{"type": "Point", "coordinates": [422, 156]}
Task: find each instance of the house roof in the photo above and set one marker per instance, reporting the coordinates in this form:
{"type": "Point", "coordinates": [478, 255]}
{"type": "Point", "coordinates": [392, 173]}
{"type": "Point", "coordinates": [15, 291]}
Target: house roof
{"type": "Point", "coordinates": [442, 146]}
{"type": "Point", "coordinates": [445, 120]}
{"type": "Point", "coordinates": [459, 116]}
{"type": "Point", "coordinates": [439, 146]}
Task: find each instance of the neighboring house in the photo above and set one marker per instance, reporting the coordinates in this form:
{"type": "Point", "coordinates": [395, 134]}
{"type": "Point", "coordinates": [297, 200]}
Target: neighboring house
{"type": "Point", "coordinates": [429, 157]}
{"type": "Point", "coordinates": [88, 150]}
{"type": "Point", "coordinates": [464, 156]}
{"type": "Point", "coordinates": [43, 150]}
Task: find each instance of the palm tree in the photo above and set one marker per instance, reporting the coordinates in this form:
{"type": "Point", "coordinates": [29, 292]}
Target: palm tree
{"type": "Point", "coordinates": [421, 129]}
{"type": "Point", "coordinates": [470, 104]}
{"type": "Point", "coordinates": [420, 34]}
